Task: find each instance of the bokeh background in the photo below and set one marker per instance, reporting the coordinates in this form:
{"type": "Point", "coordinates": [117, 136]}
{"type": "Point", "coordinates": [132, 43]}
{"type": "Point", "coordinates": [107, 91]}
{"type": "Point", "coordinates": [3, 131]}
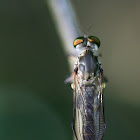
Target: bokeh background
{"type": "Point", "coordinates": [34, 102]}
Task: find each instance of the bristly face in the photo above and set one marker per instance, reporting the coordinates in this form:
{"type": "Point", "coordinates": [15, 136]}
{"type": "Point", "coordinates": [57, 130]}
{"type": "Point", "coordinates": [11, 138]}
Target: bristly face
{"type": "Point", "coordinates": [87, 42]}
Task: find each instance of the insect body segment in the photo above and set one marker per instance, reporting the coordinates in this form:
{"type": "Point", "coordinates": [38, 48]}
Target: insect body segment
{"type": "Point", "coordinates": [82, 43]}
{"type": "Point", "coordinates": [88, 119]}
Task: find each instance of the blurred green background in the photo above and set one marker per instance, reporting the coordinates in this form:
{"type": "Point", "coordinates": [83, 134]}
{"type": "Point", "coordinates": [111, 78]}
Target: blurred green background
{"type": "Point", "coordinates": [34, 102]}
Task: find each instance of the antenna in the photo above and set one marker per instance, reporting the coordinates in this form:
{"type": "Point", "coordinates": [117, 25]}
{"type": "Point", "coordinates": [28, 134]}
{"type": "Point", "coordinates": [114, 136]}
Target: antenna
{"type": "Point", "coordinates": [81, 29]}
{"type": "Point", "coordinates": [89, 28]}
{"type": "Point", "coordinates": [85, 32]}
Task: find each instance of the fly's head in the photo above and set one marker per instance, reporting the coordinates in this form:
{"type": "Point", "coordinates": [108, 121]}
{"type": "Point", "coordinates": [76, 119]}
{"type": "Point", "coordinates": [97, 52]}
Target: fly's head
{"type": "Point", "coordinates": [86, 42]}
{"type": "Point", "coordinates": [87, 62]}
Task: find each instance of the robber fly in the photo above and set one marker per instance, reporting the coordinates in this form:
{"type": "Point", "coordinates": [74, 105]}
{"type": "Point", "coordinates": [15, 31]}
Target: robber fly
{"type": "Point", "coordinates": [88, 85]}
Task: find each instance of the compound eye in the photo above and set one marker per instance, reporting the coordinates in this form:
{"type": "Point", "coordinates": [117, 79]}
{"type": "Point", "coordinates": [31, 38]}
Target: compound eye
{"type": "Point", "coordinates": [94, 39]}
{"type": "Point", "coordinates": [78, 41]}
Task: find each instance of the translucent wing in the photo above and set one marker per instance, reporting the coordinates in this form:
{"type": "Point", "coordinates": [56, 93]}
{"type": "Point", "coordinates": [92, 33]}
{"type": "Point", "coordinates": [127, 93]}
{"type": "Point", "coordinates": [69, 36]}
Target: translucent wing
{"type": "Point", "coordinates": [88, 121]}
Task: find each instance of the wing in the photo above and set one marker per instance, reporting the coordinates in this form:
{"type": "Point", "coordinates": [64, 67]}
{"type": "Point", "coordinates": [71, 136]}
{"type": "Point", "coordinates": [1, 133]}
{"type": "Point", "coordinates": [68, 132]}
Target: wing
{"type": "Point", "coordinates": [74, 115]}
{"type": "Point", "coordinates": [88, 119]}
